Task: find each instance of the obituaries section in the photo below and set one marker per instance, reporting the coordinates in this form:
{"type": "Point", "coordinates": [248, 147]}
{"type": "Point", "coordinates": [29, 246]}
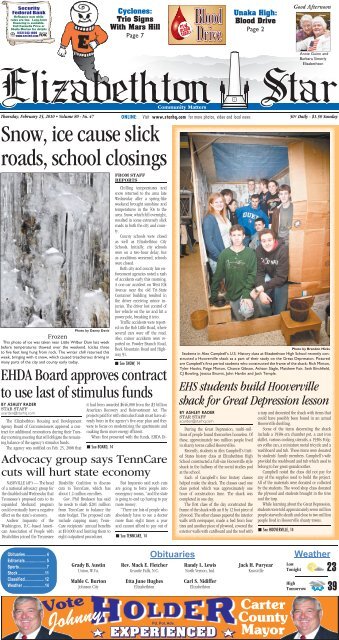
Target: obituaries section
{"type": "Point", "coordinates": [254, 444]}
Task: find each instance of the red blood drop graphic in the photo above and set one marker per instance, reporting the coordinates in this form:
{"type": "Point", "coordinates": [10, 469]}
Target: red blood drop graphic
{"type": "Point", "coordinates": [178, 19]}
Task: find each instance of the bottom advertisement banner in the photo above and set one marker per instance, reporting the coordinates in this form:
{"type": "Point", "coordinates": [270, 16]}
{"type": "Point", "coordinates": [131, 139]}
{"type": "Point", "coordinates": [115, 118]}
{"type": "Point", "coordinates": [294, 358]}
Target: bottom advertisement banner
{"type": "Point", "coordinates": [250, 617]}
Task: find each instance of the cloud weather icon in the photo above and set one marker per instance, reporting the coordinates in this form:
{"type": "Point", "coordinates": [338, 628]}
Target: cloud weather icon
{"type": "Point", "coordinates": [317, 585]}
{"type": "Point", "coordinates": [312, 566]}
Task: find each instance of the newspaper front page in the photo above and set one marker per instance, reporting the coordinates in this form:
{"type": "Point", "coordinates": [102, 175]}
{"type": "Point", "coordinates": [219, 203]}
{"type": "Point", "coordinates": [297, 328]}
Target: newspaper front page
{"type": "Point", "coordinates": [168, 192]}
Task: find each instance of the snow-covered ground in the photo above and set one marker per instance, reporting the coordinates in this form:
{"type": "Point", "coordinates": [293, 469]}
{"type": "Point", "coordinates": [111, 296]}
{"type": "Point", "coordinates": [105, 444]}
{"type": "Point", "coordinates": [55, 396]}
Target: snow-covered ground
{"type": "Point", "coordinates": [54, 250]}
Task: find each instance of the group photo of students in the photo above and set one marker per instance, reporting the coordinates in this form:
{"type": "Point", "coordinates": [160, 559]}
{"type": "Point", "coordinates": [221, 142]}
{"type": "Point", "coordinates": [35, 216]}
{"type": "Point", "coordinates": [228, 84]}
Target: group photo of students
{"type": "Point", "coordinates": [263, 238]}
{"type": "Point", "coordinates": [247, 248]}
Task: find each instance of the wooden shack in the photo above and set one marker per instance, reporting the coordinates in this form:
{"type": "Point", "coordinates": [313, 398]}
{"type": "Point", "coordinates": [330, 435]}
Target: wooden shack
{"type": "Point", "coordinates": [224, 159]}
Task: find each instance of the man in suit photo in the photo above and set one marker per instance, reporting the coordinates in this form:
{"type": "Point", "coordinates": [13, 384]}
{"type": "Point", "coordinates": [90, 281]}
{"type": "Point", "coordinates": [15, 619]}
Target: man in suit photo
{"type": "Point", "coordinates": [27, 615]}
{"type": "Point", "coordinates": [306, 614]}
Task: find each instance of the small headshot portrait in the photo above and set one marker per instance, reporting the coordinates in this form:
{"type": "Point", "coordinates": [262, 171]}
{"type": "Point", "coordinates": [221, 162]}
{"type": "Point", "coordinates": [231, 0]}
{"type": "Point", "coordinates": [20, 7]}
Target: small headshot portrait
{"type": "Point", "coordinates": [306, 615]}
{"type": "Point", "coordinates": [313, 32]}
{"type": "Point", "coordinates": [27, 615]}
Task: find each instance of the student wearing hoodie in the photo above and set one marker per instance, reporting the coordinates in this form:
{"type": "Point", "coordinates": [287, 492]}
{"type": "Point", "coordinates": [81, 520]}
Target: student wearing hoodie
{"type": "Point", "coordinates": [247, 216]}
{"type": "Point", "coordinates": [271, 287]}
{"type": "Point", "coordinates": [237, 267]}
